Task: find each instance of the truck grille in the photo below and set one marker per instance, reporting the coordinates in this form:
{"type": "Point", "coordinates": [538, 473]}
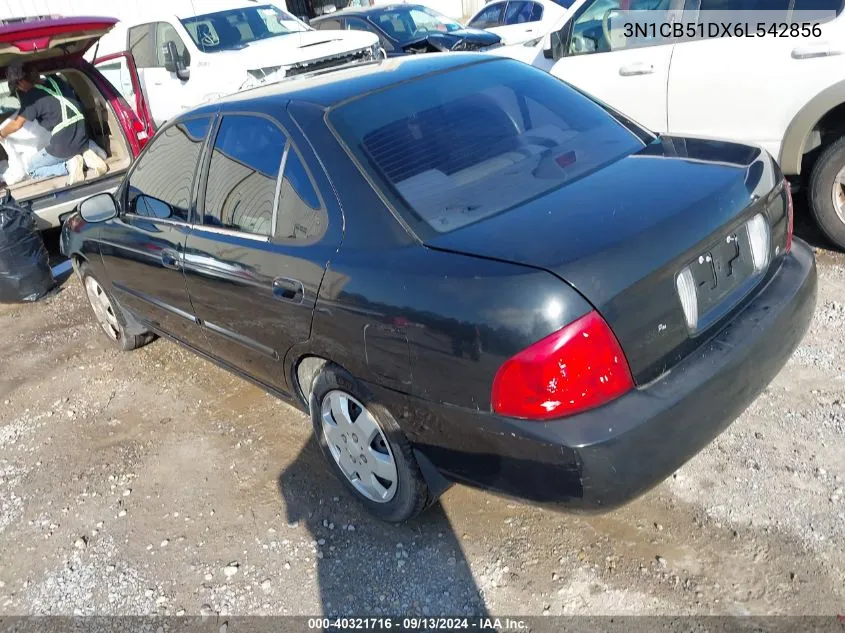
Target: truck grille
{"type": "Point", "coordinates": [352, 57]}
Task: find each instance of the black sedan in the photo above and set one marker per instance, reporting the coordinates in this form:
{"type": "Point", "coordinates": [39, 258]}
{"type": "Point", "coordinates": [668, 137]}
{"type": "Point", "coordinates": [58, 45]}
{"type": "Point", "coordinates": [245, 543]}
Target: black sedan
{"type": "Point", "coordinates": [409, 28]}
{"type": "Point", "coordinates": [464, 270]}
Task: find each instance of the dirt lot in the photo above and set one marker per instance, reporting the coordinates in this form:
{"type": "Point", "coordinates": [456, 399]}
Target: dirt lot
{"type": "Point", "coordinates": [153, 482]}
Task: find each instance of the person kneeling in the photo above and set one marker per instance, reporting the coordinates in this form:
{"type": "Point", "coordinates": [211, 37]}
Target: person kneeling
{"type": "Point", "coordinates": [53, 104]}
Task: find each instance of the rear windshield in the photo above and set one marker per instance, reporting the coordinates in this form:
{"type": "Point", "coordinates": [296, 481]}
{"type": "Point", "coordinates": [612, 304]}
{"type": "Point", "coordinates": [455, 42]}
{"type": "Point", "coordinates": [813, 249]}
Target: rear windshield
{"type": "Point", "coordinates": [456, 147]}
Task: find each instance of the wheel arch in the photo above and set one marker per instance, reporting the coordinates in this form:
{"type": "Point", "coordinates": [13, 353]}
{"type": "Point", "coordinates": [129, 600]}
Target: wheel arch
{"type": "Point", "coordinates": [306, 367]}
{"type": "Point", "coordinates": [824, 111]}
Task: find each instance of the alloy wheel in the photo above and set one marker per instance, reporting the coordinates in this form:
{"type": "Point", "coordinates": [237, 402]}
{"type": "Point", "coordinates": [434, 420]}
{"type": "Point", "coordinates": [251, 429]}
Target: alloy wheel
{"type": "Point", "coordinates": [103, 309]}
{"type": "Point", "coordinates": [359, 447]}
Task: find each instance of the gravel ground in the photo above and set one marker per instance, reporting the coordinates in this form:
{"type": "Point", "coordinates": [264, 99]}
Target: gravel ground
{"type": "Point", "coordinates": [154, 482]}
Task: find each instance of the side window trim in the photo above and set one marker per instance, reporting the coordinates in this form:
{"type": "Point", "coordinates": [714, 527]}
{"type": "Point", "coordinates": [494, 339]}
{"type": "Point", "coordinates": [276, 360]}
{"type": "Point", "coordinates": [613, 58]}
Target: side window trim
{"type": "Point", "coordinates": [203, 166]}
{"type": "Point", "coordinates": [503, 18]}
{"type": "Point", "coordinates": [279, 180]}
{"type": "Point", "coordinates": [124, 198]}
{"type": "Point", "coordinates": [222, 230]}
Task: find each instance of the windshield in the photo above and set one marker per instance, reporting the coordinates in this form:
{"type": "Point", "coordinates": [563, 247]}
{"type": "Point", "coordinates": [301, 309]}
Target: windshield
{"type": "Point", "coordinates": [237, 28]}
{"type": "Point", "coordinates": [406, 25]}
{"type": "Point", "coordinates": [456, 147]}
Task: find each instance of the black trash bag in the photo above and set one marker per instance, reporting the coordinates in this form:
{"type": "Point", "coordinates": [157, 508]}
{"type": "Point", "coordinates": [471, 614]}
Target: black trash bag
{"type": "Point", "coordinates": [25, 273]}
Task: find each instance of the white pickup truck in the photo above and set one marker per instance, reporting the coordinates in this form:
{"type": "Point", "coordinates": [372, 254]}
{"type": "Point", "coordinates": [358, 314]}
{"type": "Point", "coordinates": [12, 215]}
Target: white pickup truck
{"type": "Point", "coordinates": [786, 94]}
{"type": "Point", "coordinates": [167, 59]}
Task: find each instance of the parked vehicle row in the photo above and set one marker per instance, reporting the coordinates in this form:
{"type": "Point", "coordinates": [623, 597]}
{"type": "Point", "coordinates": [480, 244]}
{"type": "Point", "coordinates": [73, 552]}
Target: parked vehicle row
{"type": "Point", "coordinates": [518, 21]}
{"type": "Point", "coordinates": [153, 67]}
{"type": "Point", "coordinates": [179, 58]}
{"type": "Point", "coordinates": [405, 29]}
{"type": "Point", "coordinates": [464, 270]}
{"type": "Point", "coordinates": [785, 94]}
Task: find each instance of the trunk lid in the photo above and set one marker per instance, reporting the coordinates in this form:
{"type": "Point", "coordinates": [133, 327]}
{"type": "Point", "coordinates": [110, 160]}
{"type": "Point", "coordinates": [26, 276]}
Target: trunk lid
{"type": "Point", "coordinates": [621, 235]}
{"type": "Point", "coordinates": [39, 39]}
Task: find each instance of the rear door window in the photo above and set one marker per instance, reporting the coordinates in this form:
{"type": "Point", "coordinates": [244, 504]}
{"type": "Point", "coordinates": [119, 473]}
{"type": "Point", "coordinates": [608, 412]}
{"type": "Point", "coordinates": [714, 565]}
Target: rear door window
{"type": "Point", "coordinates": [241, 190]}
{"type": "Point", "coordinates": [522, 11]}
{"type": "Point", "coordinates": [454, 148]}
{"type": "Point", "coordinates": [301, 218]}
{"type": "Point", "coordinates": [359, 24]}
{"type": "Point", "coordinates": [490, 16]}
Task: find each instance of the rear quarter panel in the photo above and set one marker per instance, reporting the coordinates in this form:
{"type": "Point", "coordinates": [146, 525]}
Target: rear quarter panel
{"type": "Point", "coordinates": [433, 324]}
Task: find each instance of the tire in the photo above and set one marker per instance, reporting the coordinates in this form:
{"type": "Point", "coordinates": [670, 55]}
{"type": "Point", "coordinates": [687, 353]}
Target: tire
{"type": "Point", "coordinates": [406, 497]}
{"type": "Point", "coordinates": [823, 179]}
{"type": "Point", "coordinates": [108, 313]}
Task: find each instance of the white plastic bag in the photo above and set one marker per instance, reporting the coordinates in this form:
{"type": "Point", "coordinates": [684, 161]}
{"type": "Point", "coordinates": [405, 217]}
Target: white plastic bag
{"type": "Point", "coordinates": [21, 147]}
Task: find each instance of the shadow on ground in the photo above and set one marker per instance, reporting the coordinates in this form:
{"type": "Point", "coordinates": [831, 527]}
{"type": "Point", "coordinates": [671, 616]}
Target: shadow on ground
{"type": "Point", "coordinates": [805, 225]}
{"type": "Point", "coordinates": [374, 567]}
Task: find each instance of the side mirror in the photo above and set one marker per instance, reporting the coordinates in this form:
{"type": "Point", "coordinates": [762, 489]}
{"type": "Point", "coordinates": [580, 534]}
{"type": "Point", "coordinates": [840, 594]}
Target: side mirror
{"type": "Point", "coordinates": [548, 53]}
{"type": "Point", "coordinates": [173, 61]}
{"type": "Point", "coordinates": [98, 208]}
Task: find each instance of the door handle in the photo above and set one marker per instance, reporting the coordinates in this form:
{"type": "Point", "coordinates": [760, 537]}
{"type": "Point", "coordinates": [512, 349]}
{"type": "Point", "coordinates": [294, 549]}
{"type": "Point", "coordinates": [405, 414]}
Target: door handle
{"type": "Point", "coordinates": [820, 49]}
{"type": "Point", "coordinates": [637, 68]}
{"type": "Point", "coordinates": [171, 259]}
{"type": "Point", "coordinates": [290, 290]}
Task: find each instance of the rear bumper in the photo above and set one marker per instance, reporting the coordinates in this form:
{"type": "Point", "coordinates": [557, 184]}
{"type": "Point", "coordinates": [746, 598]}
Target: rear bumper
{"type": "Point", "coordinates": [601, 459]}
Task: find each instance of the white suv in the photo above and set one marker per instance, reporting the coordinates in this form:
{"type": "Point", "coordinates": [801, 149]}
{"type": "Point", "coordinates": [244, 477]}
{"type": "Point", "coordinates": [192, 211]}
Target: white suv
{"type": "Point", "coordinates": [786, 94]}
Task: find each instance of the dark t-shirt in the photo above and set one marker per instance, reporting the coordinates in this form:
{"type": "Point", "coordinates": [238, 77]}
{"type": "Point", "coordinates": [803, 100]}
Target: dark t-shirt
{"type": "Point", "coordinates": [37, 105]}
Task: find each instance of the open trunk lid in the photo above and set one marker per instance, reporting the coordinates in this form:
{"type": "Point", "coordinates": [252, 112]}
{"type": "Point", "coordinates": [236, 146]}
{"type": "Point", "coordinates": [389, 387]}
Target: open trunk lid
{"type": "Point", "coordinates": [40, 39]}
{"type": "Point", "coordinates": [622, 234]}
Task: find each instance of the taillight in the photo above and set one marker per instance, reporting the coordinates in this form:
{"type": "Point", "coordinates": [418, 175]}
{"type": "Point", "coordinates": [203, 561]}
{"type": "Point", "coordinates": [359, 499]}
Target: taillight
{"type": "Point", "coordinates": [579, 367]}
{"type": "Point", "coordinates": [790, 215]}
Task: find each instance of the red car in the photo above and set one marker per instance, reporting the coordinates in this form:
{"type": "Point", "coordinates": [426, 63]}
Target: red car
{"type": "Point", "coordinates": [56, 46]}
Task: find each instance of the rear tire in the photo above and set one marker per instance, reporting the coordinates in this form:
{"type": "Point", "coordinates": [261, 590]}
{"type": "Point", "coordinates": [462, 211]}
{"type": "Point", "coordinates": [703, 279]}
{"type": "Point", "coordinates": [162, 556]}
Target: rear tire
{"type": "Point", "coordinates": [826, 192]}
{"type": "Point", "coordinates": [365, 447]}
{"type": "Point", "coordinates": [108, 313]}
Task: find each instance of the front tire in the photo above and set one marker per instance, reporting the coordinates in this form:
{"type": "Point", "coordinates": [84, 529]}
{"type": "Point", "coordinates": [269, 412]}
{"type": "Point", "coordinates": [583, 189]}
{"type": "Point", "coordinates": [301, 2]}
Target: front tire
{"type": "Point", "coordinates": [108, 313]}
{"type": "Point", "coordinates": [365, 447]}
{"type": "Point", "coordinates": [826, 192]}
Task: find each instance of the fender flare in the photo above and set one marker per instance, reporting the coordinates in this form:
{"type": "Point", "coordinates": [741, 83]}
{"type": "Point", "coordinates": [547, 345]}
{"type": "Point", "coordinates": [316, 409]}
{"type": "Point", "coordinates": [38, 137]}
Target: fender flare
{"type": "Point", "coordinates": [803, 123]}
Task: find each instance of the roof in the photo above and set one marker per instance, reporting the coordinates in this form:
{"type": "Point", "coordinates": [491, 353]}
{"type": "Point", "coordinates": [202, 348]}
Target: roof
{"type": "Point", "coordinates": [329, 88]}
{"type": "Point", "coordinates": [381, 8]}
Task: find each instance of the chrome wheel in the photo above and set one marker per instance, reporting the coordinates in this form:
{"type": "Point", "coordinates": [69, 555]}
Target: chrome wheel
{"type": "Point", "coordinates": [103, 309]}
{"type": "Point", "coordinates": [359, 447]}
{"type": "Point", "coordinates": [839, 194]}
